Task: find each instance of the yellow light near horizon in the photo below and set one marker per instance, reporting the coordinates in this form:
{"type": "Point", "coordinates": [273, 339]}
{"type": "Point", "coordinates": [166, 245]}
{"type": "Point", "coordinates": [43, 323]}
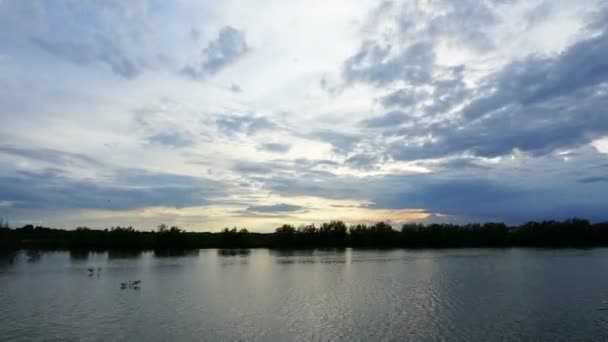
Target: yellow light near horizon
{"type": "Point", "coordinates": [215, 217]}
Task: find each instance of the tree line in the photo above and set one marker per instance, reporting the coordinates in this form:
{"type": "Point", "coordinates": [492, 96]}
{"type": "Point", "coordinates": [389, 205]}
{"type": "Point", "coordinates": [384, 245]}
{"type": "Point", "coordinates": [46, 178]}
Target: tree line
{"type": "Point", "coordinates": [568, 233]}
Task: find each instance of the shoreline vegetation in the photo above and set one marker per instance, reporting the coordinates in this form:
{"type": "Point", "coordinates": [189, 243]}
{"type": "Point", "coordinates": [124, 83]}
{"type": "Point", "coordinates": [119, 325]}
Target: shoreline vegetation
{"type": "Point", "coordinates": [568, 233]}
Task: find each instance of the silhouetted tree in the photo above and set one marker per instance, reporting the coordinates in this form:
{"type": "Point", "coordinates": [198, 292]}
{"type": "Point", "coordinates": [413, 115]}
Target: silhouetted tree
{"type": "Point", "coordinates": [286, 229]}
{"type": "Point", "coordinates": [568, 233]}
{"type": "Point", "coordinates": [8, 238]}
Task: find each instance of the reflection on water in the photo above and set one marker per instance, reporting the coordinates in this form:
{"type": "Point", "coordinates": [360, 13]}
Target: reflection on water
{"type": "Point", "coordinates": [124, 254]}
{"type": "Point", "coordinates": [283, 253]}
{"type": "Point", "coordinates": [175, 253]}
{"type": "Point", "coordinates": [311, 256]}
{"type": "Point", "coordinates": [227, 252]}
{"type": "Point", "coordinates": [279, 295]}
{"type": "Point", "coordinates": [7, 257]}
{"type": "Point", "coordinates": [233, 256]}
{"type": "Point", "coordinates": [79, 255]}
{"type": "Point", "coordinates": [33, 255]}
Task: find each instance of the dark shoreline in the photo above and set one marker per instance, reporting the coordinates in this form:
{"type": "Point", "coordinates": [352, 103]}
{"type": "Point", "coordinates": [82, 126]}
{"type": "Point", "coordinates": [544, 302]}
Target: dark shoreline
{"type": "Point", "coordinates": [573, 233]}
{"type": "Point", "coordinates": [246, 250]}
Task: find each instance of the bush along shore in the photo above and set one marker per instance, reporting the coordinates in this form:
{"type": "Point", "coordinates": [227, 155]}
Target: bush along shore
{"type": "Point", "coordinates": [568, 233]}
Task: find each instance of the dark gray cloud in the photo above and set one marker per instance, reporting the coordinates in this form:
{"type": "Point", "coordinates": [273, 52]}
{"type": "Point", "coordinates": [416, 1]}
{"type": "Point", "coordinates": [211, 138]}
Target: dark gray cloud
{"type": "Point", "coordinates": [59, 158]}
{"type": "Point", "coordinates": [227, 48]}
{"type": "Point", "coordinates": [374, 64]}
{"type": "Point", "coordinates": [112, 189]}
{"type": "Point", "coordinates": [364, 161]}
{"type": "Point", "coordinates": [445, 91]}
{"type": "Point", "coordinates": [246, 123]}
{"type": "Point", "coordinates": [451, 196]}
{"type": "Point", "coordinates": [115, 34]}
{"type": "Point", "coordinates": [122, 190]}
{"type": "Point", "coordinates": [248, 168]}
{"type": "Point", "coordinates": [536, 80]}
{"type": "Point", "coordinates": [275, 147]}
{"type": "Point", "coordinates": [470, 194]}
{"type": "Point", "coordinates": [404, 97]}
{"type": "Point", "coordinates": [459, 163]}
{"type": "Point", "coordinates": [98, 49]}
{"type": "Point", "coordinates": [598, 19]}
{"type": "Point", "coordinates": [593, 179]}
{"type": "Point", "coordinates": [158, 124]}
{"type": "Point", "coordinates": [235, 88]}
{"type": "Point", "coordinates": [172, 139]}
{"type": "Point", "coordinates": [383, 59]}
{"type": "Point", "coordinates": [389, 119]}
{"type": "Point", "coordinates": [342, 142]}
{"type": "Point", "coordinates": [539, 13]}
{"type": "Point", "coordinates": [536, 105]}
{"type": "Point", "coordinates": [467, 188]}
{"type": "Point", "coordinates": [275, 208]}
{"type": "Point", "coordinates": [449, 90]}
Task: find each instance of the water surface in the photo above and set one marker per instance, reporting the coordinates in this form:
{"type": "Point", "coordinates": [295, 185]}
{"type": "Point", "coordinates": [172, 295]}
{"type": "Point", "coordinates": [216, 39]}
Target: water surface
{"type": "Point", "coordinates": [266, 295]}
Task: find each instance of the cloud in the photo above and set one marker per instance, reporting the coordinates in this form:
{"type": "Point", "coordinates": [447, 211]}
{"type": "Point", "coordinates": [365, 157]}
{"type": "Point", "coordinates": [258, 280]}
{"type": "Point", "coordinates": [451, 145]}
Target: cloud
{"type": "Point", "coordinates": [401, 39]}
{"type": "Point", "coordinates": [172, 139]}
{"type": "Point", "coordinates": [116, 35]}
{"type": "Point", "coordinates": [229, 46]}
{"type": "Point", "coordinates": [597, 19]}
{"type": "Point", "coordinates": [342, 142]}
{"type": "Point", "coordinates": [515, 191]}
{"type": "Point", "coordinates": [495, 111]}
{"type": "Point", "coordinates": [389, 119]}
{"type": "Point", "coordinates": [535, 79]}
{"type": "Point", "coordinates": [167, 124]}
{"type": "Point", "coordinates": [247, 124]}
{"type": "Point", "coordinates": [59, 158]}
{"type": "Point", "coordinates": [469, 195]}
{"type": "Point", "coordinates": [593, 179]}
{"type": "Point", "coordinates": [247, 168]}
{"type": "Point", "coordinates": [122, 190]}
{"type": "Point", "coordinates": [272, 168]}
{"type": "Point", "coordinates": [275, 208]}
{"type": "Point", "coordinates": [466, 22]}
{"type": "Point", "coordinates": [373, 64]}
{"type": "Point", "coordinates": [457, 163]}
{"type": "Point", "coordinates": [404, 97]}
{"type": "Point", "coordinates": [364, 161]}
{"type": "Point", "coordinates": [451, 196]}
{"type": "Point", "coordinates": [235, 88]}
{"type": "Point", "coordinates": [536, 105]}
{"type": "Point", "coordinates": [98, 49]}
{"type": "Point", "coordinates": [275, 147]}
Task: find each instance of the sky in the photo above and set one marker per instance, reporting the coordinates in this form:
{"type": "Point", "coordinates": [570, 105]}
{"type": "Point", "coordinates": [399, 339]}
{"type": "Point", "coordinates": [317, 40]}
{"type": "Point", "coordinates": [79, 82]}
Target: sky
{"type": "Point", "coordinates": [212, 114]}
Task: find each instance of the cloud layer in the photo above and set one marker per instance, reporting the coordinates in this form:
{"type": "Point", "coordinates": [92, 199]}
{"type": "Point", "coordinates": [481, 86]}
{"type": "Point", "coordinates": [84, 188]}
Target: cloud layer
{"type": "Point", "coordinates": [191, 113]}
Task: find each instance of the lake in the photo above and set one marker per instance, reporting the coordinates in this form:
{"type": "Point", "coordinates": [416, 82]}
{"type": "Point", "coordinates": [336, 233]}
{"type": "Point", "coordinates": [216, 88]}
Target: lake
{"type": "Point", "coordinates": [320, 295]}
